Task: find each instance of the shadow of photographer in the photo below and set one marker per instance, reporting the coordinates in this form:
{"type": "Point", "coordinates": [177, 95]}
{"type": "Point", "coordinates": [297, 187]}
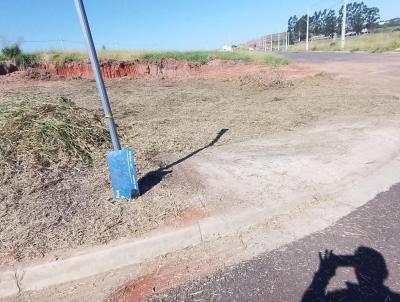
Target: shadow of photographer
{"type": "Point", "coordinates": [371, 273]}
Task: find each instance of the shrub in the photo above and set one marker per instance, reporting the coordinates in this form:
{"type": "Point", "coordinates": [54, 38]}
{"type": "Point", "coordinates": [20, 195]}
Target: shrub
{"type": "Point", "coordinates": [14, 54]}
{"type": "Point", "coordinates": [11, 52]}
{"type": "Point", "coordinates": [26, 59]}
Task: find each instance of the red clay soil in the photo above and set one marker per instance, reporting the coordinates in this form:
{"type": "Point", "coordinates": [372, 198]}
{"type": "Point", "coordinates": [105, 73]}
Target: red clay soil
{"type": "Point", "coordinates": [162, 279]}
{"type": "Point", "coordinates": [188, 217]}
{"type": "Point", "coordinates": [135, 70]}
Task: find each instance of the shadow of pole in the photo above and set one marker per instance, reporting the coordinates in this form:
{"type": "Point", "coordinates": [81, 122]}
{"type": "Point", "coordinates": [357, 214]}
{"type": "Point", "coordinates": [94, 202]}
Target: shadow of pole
{"type": "Point", "coordinates": [151, 179]}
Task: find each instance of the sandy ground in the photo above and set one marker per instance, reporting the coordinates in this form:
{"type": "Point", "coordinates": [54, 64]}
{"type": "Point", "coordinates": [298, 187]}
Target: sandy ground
{"type": "Point", "coordinates": [166, 122]}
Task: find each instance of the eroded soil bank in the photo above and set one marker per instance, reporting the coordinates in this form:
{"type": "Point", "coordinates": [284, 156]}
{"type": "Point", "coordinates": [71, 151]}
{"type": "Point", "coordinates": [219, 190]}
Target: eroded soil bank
{"type": "Point", "coordinates": [164, 69]}
{"type": "Point", "coordinates": [134, 70]}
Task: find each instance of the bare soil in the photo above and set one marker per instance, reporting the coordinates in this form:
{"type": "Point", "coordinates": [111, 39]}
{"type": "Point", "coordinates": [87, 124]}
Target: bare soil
{"type": "Point", "coordinates": [165, 121]}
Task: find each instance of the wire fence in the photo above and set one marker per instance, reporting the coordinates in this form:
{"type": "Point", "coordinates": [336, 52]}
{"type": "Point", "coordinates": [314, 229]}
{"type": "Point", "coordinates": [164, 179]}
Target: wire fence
{"type": "Point", "coordinates": [66, 44]}
{"type": "Point", "coordinates": [277, 41]}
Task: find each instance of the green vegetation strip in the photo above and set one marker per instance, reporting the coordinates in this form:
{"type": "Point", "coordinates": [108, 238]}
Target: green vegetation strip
{"type": "Point", "coordinates": [191, 56]}
{"type": "Point", "coordinates": [374, 43]}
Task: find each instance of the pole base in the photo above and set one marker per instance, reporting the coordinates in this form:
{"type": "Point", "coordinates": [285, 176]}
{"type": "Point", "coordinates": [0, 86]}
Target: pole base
{"type": "Point", "coordinates": [122, 169]}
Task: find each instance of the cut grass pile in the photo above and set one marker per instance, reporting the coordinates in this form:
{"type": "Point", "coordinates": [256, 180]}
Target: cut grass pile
{"type": "Point", "coordinates": [43, 137]}
{"type": "Point", "coordinates": [380, 42]}
{"type": "Point", "coordinates": [192, 56]}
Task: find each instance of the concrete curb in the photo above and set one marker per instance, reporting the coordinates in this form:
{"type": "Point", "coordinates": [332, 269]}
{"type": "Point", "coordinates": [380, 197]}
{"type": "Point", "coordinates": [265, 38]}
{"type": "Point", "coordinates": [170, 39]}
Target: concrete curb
{"type": "Point", "coordinates": [38, 277]}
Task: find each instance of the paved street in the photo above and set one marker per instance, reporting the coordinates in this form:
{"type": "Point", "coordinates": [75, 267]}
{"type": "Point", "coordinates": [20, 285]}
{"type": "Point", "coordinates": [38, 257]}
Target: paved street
{"type": "Point", "coordinates": [370, 272]}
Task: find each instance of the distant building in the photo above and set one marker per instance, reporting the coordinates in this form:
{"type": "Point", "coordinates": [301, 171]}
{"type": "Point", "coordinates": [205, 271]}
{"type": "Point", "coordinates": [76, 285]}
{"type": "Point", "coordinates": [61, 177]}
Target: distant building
{"type": "Point", "coordinates": [227, 48]}
{"type": "Point", "coordinates": [365, 31]}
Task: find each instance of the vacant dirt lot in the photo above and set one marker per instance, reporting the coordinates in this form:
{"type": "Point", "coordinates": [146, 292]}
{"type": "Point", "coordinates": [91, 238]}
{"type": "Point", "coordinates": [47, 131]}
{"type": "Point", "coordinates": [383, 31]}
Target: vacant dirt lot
{"type": "Point", "coordinates": [165, 121]}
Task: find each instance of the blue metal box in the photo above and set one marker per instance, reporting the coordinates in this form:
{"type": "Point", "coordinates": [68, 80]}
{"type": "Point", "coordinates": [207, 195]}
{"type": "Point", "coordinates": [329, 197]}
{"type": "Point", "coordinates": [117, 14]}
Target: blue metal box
{"type": "Point", "coordinates": [123, 174]}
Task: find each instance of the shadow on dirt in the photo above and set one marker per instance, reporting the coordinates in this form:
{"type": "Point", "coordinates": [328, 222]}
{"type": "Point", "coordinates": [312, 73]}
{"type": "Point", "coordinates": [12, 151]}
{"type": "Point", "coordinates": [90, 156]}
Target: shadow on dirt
{"type": "Point", "coordinates": [371, 272]}
{"type": "Point", "coordinates": [151, 179]}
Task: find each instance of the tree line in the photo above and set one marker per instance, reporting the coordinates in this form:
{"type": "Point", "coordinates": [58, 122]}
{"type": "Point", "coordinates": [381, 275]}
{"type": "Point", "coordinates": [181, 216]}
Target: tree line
{"type": "Point", "coordinates": [328, 23]}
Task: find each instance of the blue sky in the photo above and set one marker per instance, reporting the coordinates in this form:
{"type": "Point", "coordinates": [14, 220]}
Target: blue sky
{"type": "Point", "coordinates": [155, 24]}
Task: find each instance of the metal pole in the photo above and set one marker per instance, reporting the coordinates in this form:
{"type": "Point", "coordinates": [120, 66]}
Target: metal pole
{"type": "Point", "coordinates": [286, 45]}
{"type": "Point", "coordinates": [308, 27]}
{"type": "Point", "coordinates": [97, 74]}
{"type": "Point", "coordinates": [271, 42]}
{"type": "Point", "coordinates": [279, 40]}
{"type": "Point", "coordinates": [344, 17]}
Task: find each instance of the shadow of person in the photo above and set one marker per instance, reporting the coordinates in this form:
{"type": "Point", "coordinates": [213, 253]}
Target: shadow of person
{"type": "Point", "coordinates": [371, 272]}
{"type": "Point", "coordinates": [151, 179]}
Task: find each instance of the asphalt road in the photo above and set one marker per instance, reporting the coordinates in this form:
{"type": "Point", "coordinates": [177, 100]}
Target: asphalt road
{"type": "Point", "coordinates": [325, 57]}
{"type": "Point", "coordinates": [369, 238]}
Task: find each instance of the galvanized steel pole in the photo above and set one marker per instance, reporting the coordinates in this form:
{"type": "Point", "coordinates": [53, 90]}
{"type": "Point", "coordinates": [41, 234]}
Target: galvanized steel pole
{"type": "Point", "coordinates": [271, 43]}
{"type": "Point", "coordinates": [308, 28]}
{"type": "Point", "coordinates": [97, 74]}
{"type": "Point", "coordinates": [344, 17]}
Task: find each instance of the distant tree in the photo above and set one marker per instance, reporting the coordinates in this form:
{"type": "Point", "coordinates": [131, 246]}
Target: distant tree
{"type": "Point", "coordinates": [301, 28]}
{"type": "Point", "coordinates": [317, 22]}
{"type": "Point", "coordinates": [11, 52]}
{"type": "Point", "coordinates": [354, 17]}
{"type": "Point", "coordinates": [291, 26]}
{"type": "Point", "coordinates": [359, 16]}
{"type": "Point", "coordinates": [371, 15]}
{"type": "Point", "coordinates": [329, 27]}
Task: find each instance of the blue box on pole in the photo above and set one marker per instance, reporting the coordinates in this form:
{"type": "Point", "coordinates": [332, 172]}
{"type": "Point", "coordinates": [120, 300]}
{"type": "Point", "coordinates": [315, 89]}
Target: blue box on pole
{"type": "Point", "coordinates": [122, 168]}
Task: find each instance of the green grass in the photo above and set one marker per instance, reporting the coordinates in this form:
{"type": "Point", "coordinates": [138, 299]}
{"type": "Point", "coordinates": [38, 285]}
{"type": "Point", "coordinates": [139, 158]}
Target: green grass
{"type": "Point", "coordinates": [192, 56]}
{"type": "Point", "coordinates": [14, 54]}
{"type": "Point", "coordinates": [380, 42]}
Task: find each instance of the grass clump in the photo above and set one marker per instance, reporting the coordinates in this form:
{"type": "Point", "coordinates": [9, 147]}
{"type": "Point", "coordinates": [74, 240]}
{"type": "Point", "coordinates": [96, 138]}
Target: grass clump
{"type": "Point", "coordinates": [47, 137]}
{"type": "Point", "coordinates": [192, 56]}
{"type": "Point", "coordinates": [64, 56]}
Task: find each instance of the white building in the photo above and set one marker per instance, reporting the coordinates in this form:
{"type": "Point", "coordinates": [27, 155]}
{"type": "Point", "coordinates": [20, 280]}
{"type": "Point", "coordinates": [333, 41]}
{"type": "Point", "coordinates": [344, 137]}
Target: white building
{"type": "Point", "coordinates": [227, 48]}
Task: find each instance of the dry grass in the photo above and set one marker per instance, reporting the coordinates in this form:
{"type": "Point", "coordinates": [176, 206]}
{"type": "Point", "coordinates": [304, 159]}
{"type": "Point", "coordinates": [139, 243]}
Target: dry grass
{"type": "Point", "coordinates": [163, 121]}
{"type": "Point", "coordinates": [265, 80]}
{"type": "Point", "coordinates": [47, 137]}
{"type": "Point", "coordinates": [380, 42]}
{"type": "Point", "coordinates": [192, 56]}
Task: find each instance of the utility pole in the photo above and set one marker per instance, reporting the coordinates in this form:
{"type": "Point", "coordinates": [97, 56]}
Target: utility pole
{"type": "Point", "coordinates": [265, 44]}
{"type": "Point", "coordinates": [279, 41]}
{"type": "Point", "coordinates": [344, 17]}
{"type": "Point", "coordinates": [287, 41]}
{"type": "Point", "coordinates": [271, 42]}
{"type": "Point", "coordinates": [61, 43]}
{"type": "Point", "coordinates": [308, 28]}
